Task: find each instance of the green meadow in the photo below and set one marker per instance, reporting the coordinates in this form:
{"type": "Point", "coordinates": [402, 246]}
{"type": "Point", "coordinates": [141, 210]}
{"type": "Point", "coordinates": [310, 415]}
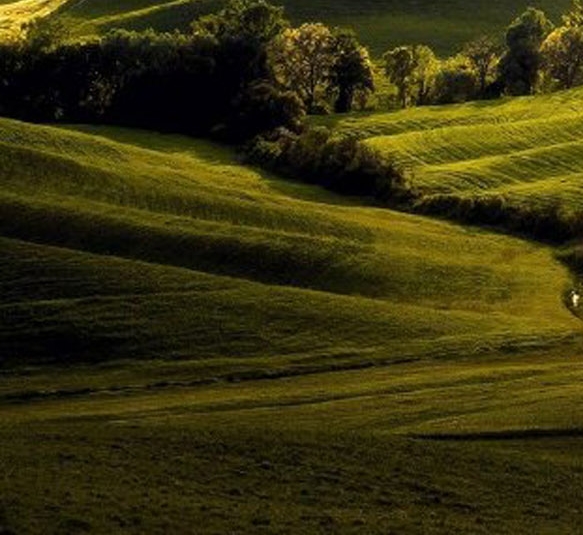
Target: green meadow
{"type": "Point", "coordinates": [380, 24]}
{"type": "Point", "coordinates": [192, 345]}
{"type": "Point", "coordinates": [526, 151]}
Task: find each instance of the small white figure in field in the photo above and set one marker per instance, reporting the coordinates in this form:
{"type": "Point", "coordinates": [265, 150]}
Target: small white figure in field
{"type": "Point", "coordinates": [575, 298]}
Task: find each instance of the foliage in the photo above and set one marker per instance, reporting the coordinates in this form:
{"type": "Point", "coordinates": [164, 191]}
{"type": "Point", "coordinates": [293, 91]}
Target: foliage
{"type": "Point", "coordinates": [574, 17]}
{"type": "Point", "coordinates": [255, 20]}
{"type": "Point", "coordinates": [302, 59]}
{"type": "Point", "coordinates": [520, 65]}
{"type": "Point", "coordinates": [456, 81]}
{"type": "Point", "coordinates": [44, 33]}
{"type": "Point", "coordinates": [204, 83]}
{"type": "Point", "coordinates": [547, 223]}
{"type": "Point", "coordinates": [426, 66]}
{"type": "Point", "coordinates": [562, 54]}
{"type": "Point", "coordinates": [351, 71]}
{"type": "Point", "coordinates": [562, 50]}
{"type": "Point", "coordinates": [483, 54]}
{"type": "Point", "coordinates": [412, 69]}
{"type": "Point", "coordinates": [399, 68]}
{"type": "Point", "coordinates": [340, 164]}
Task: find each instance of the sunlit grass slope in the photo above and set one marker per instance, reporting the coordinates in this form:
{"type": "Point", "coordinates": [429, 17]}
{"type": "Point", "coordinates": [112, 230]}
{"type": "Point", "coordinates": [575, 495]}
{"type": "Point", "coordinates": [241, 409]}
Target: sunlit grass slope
{"type": "Point", "coordinates": [14, 14]}
{"type": "Point", "coordinates": [527, 151]}
{"type": "Point", "coordinates": [379, 23]}
{"type": "Point", "coordinates": [120, 244]}
{"type": "Point", "coordinates": [190, 346]}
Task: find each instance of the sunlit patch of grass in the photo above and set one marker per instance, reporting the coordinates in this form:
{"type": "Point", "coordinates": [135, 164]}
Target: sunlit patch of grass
{"type": "Point", "coordinates": [525, 151]}
{"type": "Point", "coordinates": [14, 14]}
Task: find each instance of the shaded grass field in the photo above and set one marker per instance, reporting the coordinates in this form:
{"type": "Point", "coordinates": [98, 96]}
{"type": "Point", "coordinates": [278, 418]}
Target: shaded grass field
{"type": "Point", "coordinates": [329, 453]}
{"type": "Point", "coordinates": [380, 24]}
{"type": "Point", "coordinates": [189, 345]}
{"type": "Point", "coordinates": [200, 229]}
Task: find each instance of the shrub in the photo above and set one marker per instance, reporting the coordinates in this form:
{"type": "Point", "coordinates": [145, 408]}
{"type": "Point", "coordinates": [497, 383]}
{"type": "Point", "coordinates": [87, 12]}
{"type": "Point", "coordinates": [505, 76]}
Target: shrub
{"type": "Point", "coordinates": [549, 222]}
{"type": "Point", "coordinates": [338, 163]}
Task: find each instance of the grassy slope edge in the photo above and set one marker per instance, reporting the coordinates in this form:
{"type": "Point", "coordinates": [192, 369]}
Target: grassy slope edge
{"type": "Point", "coordinates": [380, 24]}
{"type": "Point", "coordinates": [211, 328]}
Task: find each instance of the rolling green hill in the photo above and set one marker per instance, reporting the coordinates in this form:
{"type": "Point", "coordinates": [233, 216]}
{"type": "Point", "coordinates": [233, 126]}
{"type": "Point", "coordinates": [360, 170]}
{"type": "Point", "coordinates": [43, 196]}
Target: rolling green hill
{"type": "Point", "coordinates": [445, 26]}
{"type": "Point", "coordinates": [191, 345]}
{"type": "Point", "coordinates": [380, 24]}
{"type": "Point", "coordinates": [215, 233]}
{"type": "Point", "coordinates": [526, 151]}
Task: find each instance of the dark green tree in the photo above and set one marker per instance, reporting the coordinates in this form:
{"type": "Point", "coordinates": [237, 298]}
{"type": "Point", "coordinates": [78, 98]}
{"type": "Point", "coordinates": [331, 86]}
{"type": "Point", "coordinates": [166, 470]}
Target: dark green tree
{"type": "Point", "coordinates": [574, 17]}
{"type": "Point", "coordinates": [412, 70]}
{"type": "Point", "coordinates": [399, 68]}
{"type": "Point", "coordinates": [562, 50]}
{"type": "Point", "coordinates": [520, 65]}
{"type": "Point", "coordinates": [351, 70]}
{"type": "Point", "coordinates": [254, 20]}
{"type": "Point", "coordinates": [483, 53]}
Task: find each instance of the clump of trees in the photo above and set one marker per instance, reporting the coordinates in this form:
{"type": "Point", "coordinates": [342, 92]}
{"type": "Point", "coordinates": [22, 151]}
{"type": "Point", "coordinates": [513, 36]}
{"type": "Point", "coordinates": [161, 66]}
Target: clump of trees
{"type": "Point", "coordinates": [242, 74]}
{"type": "Point", "coordinates": [521, 64]}
{"type": "Point", "coordinates": [549, 223]}
{"type": "Point", "coordinates": [339, 163]}
{"type": "Point", "coordinates": [215, 80]}
{"type": "Point", "coordinates": [412, 69]}
{"type": "Point", "coordinates": [534, 56]}
{"type": "Point", "coordinates": [245, 70]}
{"type": "Point", "coordinates": [562, 50]}
{"type": "Point", "coordinates": [421, 78]}
{"type": "Point", "coordinates": [319, 63]}
{"type": "Point", "coordinates": [239, 72]}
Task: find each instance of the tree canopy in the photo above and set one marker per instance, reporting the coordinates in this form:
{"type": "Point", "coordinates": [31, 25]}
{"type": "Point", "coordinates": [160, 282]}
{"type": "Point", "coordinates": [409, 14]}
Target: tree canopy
{"type": "Point", "coordinates": [520, 65]}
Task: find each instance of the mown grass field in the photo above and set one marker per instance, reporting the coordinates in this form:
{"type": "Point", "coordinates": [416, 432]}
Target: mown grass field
{"type": "Point", "coordinates": [189, 345]}
{"type": "Point", "coordinates": [526, 151]}
{"type": "Point", "coordinates": [380, 24]}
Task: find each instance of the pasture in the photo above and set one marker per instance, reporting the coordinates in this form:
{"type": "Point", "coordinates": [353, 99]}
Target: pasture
{"type": "Point", "coordinates": [189, 344]}
{"type": "Point", "coordinates": [380, 24]}
{"type": "Point", "coordinates": [526, 151]}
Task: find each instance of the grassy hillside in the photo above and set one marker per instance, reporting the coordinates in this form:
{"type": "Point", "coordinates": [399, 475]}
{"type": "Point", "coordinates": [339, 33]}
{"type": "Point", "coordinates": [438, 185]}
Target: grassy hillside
{"type": "Point", "coordinates": [226, 234]}
{"type": "Point", "coordinates": [188, 344]}
{"type": "Point", "coordinates": [526, 151]}
{"type": "Point", "coordinates": [380, 24]}
{"type": "Point", "coordinates": [14, 14]}
{"type": "Point", "coordinates": [445, 26]}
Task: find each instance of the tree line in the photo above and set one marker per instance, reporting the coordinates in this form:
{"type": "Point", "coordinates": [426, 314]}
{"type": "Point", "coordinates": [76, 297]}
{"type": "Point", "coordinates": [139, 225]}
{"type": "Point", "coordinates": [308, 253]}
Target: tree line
{"type": "Point", "coordinates": [535, 56]}
{"type": "Point", "coordinates": [238, 72]}
{"type": "Point", "coordinates": [246, 70]}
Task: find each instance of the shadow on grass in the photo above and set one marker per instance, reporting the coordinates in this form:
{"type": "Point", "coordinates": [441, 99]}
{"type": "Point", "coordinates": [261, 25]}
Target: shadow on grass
{"type": "Point", "coordinates": [214, 154]}
{"type": "Point", "coordinates": [511, 434]}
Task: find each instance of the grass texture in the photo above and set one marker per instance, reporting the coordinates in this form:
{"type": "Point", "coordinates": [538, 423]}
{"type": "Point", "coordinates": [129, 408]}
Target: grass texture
{"type": "Point", "coordinates": [445, 26]}
{"type": "Point", "coordinates": [525, 151]}
{"type": "Point", "coordinates": [192, 346]}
